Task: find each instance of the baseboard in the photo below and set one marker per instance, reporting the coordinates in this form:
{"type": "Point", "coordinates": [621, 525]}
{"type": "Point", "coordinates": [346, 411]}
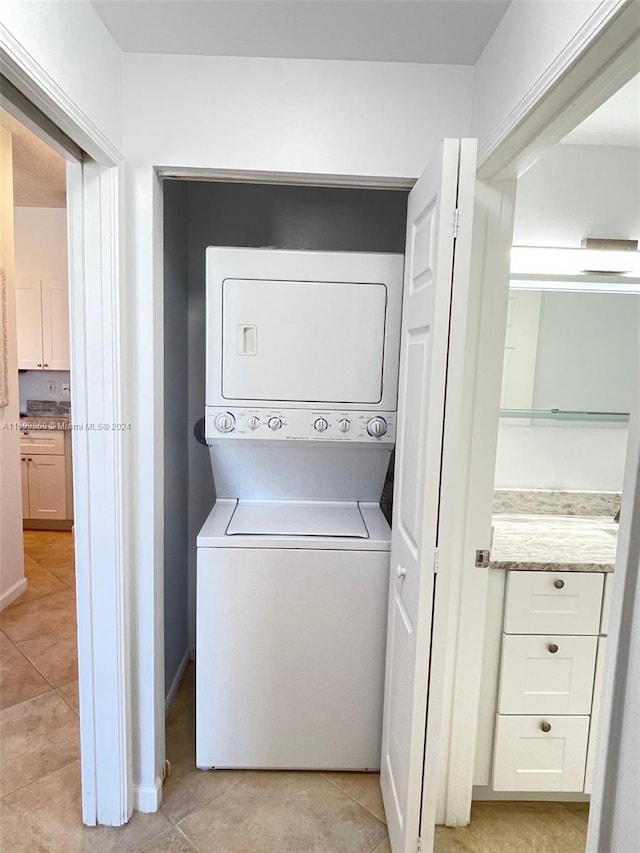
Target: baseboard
{"type": "Point", "coordinates": [148, 798]}
{"type": "Point", "coordinates": [175, 684]}
{"type": "Point", "coordinates": [484, 793]}
{"type": "Point", "coordinates": [14, 591]}
{"type": "Point", "coordinates": [39, 524]}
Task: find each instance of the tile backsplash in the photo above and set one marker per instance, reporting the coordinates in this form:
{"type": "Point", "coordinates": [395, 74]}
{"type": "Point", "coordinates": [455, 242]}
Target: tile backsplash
{"type": "Point", "coordinates": [34, 385]}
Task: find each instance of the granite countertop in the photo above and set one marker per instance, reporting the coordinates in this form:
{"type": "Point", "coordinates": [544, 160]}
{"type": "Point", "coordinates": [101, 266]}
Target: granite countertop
{"type": "Point", "coordinates": [554, 543]}
{"type": "Point", "coordinates": [43, 422]}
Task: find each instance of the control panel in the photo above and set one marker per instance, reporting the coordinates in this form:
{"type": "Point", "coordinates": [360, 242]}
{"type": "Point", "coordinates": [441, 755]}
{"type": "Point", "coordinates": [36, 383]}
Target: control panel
{"type": "Point", "coordinates": [300, 425]}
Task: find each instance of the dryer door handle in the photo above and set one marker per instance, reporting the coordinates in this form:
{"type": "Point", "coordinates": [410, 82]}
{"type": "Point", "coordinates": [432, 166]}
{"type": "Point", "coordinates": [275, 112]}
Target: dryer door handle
{"type": "Point", "coordinates": [247, 340]}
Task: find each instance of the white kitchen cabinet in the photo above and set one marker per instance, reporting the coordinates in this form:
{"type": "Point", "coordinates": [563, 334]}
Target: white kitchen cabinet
{"type": "Point", "coordinates": [44, 475]}
{"type": "Point", "coordinates": [547, 674]}
{"type": "Point", "coordinates": [540, 753]}
{"type": "Point", "coordinates": [42, 312]}
{"type": "Point", "coordinates": [553, 603]}
{"type": "Point", "coordinates": [47, 488]}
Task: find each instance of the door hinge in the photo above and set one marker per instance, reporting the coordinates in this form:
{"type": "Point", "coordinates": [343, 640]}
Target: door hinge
{"type": "Point", "coordinates": [483, 558]}
{"type": "Point", "coordinates": [456, 221]}
{"type": "Point", "coordinates": [436, 560]}
{"type": "Point", "coordinates": [419, 845]}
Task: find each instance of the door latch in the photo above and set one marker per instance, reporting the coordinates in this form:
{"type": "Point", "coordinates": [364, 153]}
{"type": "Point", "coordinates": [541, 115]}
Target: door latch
{"type": "Point", "coordinates": [483, 557]}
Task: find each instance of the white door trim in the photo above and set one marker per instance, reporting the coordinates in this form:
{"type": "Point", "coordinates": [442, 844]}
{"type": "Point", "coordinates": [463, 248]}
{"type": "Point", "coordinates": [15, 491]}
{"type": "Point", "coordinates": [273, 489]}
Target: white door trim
{"type": "Point", "coordinates": [30, 78]}
{"type": "Point", "coordinates": [598, 60]}
{"type": "Point", "coordinates": [244, 176]}
{"type": "Point", "coordinates": [94, 218]}
{"type": "Point", "coordinates": [101, 591]}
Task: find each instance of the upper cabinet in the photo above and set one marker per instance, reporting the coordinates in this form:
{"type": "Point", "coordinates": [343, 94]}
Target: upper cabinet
{"type": "Point", "coordinates": [42, 309]}
{"type": "Point", "coordinates": [42, 291]}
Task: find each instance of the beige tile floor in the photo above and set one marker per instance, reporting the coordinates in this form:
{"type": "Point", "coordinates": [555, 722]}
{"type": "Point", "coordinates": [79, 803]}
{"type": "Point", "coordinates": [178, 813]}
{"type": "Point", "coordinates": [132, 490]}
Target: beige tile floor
{"type": "Point", "coordinates": [216, 812]}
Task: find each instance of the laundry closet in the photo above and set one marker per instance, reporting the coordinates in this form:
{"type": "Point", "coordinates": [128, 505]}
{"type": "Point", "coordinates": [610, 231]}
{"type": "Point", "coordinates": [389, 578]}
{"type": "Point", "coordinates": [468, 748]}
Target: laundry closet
{"type": "Point", "coordinates": [335, 221]}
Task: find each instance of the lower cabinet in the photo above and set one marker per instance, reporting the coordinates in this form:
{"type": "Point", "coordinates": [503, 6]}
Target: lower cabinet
{"type": "Point", "coordinates": [540, 753]}
{"type": "Point", "coordinates": [551, 659]}
{"type": "Point", "coordinates": [46, 496]}
{"type": "Point", "coordinates": [45, 476]}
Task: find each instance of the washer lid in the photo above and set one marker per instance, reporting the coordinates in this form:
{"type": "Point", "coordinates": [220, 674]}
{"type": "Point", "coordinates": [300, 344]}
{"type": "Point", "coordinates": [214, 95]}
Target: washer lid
{"type": "Point", "coordinates": [297, 518]}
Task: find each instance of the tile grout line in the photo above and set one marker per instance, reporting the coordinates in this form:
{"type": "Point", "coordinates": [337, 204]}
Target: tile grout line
{"type": "Point", "coordinates": [184, 834]}
{"type": "Point", "coordinates": [351, 797]}
{"type": "Point", "coordinates": [22, 654]}
{"type": "Point", "coordinates": [203, 806]}
{"type": "Point", "coordinates": [38, 779]}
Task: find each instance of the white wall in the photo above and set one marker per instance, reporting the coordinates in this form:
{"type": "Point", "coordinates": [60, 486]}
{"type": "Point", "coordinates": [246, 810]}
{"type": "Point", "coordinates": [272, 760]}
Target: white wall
{"type": "Point", "coordinates": [70, 42]}
{"type": "Point", "coordinates": [527, 41]}
{"type": "Point", "coordinates": [578, 191]}
{"type": "Point", "coordinates": [362, 118]}
{"type": "Point", "coordinates": [41, 242]}
{"type": "Point", "coordinates": [565, 457]}
{"type": "Point", "coordinates": [12, 581]}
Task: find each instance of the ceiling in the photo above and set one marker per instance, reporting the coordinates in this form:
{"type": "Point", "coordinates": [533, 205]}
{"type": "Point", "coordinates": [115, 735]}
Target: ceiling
{"type": "Point", "coordinates": [452, 32]}
{"type": "Point", "coordinates": [39, 174]}
{"type": "Point", "coordinates": [616, 122]}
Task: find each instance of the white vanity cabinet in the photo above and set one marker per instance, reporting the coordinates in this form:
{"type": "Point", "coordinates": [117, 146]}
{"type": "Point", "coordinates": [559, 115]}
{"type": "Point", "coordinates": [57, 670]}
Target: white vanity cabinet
{"type": "Point", "coordinates": [44, 462]}
{"type": "Point", "coordinates": [42, 312]}
{"type": "Point", "coordinates": [551, 655]}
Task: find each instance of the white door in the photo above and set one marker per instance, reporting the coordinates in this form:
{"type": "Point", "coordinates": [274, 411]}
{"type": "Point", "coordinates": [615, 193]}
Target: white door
{"type": "Point", "coordinates": [429, 266]}
{"type": "Point", "coordinates": [29, 324]}
{"type": "Point", "coordinates": [55, 325]}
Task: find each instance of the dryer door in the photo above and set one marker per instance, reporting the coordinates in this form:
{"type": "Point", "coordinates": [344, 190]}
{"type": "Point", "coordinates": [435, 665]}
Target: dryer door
{"type": "Point", "coordinates": [303, 341]}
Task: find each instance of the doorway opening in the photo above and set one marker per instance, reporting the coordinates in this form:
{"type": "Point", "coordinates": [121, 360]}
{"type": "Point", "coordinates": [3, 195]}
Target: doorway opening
{"type": "Point", "coordinates": [39, 734]}
{"type": "Point", "coordinates": [570, 359]}
{"type": "Point", "coordinates": [198, 214]}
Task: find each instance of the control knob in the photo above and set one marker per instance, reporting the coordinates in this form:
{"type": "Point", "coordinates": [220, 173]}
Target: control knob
{"type": "Point", "coordinates": [377, 427]}
{"type": "Point", "coordinates": [254, 422]}
{"type": "Point", "coordinates": [274, 423]}
{"type": "Point", "coordinates": [225, 422]}
{"type": "Point", "coordinates": [344, 424]}
{"type": "Point", "coordinates": [321, 424]}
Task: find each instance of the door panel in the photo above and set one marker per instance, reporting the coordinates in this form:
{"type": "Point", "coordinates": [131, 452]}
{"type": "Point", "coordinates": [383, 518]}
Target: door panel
{"type": "Point", "coordinates": [29, 324]}
{"type": "Point", "coordinates": [423, 366]}
{"type": "Point", "coordinates": [47, 495]}
{"type": "Point", "coordinates": [55, 325]}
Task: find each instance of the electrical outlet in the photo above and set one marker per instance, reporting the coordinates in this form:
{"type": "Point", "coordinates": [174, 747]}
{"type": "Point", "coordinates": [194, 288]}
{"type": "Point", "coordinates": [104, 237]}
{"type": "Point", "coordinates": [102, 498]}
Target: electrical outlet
{"type": "Point", "coordinates": [65, 388]}
{"type": "Point", "coordinates": [52, 387]}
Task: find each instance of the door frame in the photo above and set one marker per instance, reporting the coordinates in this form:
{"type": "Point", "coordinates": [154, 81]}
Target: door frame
{"type": "Point", "coordinates": [94, 223]}
{"type": "Point", "coordinates": [599, 61]}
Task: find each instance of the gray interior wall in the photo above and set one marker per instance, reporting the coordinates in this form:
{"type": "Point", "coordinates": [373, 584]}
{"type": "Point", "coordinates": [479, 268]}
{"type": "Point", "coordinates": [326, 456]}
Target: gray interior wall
{"type": "Point", "coordinates": [228, 214]}
{"type": "Point", "coordinates": [176, 427]}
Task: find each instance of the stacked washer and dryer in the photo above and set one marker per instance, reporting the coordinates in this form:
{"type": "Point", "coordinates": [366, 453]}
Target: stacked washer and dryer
{"type": "Point", "coordinates": [293, 559]}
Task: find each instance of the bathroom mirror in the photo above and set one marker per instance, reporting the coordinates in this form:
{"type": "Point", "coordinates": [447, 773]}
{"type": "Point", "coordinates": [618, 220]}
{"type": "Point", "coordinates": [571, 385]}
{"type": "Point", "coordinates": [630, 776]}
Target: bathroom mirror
{"type": "Point", "coordinates": [570, 353]}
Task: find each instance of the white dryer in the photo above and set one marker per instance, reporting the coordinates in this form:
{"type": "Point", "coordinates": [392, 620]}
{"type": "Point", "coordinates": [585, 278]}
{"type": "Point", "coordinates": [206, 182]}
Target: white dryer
{"type": "Point", "coordinates": [293, 560]}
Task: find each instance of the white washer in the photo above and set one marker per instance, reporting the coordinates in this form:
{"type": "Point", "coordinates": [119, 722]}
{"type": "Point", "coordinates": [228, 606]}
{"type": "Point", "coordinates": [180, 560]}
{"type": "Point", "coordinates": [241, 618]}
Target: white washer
{"type": "Point", "coordinates": [291, 633]}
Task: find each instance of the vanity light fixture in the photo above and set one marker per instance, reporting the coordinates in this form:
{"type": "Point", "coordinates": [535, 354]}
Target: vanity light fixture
{"type": "Point", "coordinates": [563, 261]}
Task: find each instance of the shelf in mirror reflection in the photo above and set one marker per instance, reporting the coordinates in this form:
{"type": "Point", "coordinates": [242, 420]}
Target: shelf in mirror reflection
{"type": "Point", "coordinates": [565, 415]}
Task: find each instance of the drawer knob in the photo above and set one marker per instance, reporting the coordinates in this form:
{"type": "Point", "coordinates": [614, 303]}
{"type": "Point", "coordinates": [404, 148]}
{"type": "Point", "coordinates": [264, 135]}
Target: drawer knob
{"type": "Point", "coordinates": [559, 584]}
{"type": "Point", "coordinates": [553, 648]}
{"type": "Point", "coordinates": [546, 727]}
{"type": "Point", "coordinates": [29, 459]}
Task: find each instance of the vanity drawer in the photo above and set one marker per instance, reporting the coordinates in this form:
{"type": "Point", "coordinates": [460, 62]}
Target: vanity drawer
{"type": "Point", "coordinates": [49, 441]}
{"type": "Point", "coordinates": [553, 603]}
{"type": "Point", "coordinates": [547, 674]}
{"type": "Point", "coordinates": [528, 758]}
